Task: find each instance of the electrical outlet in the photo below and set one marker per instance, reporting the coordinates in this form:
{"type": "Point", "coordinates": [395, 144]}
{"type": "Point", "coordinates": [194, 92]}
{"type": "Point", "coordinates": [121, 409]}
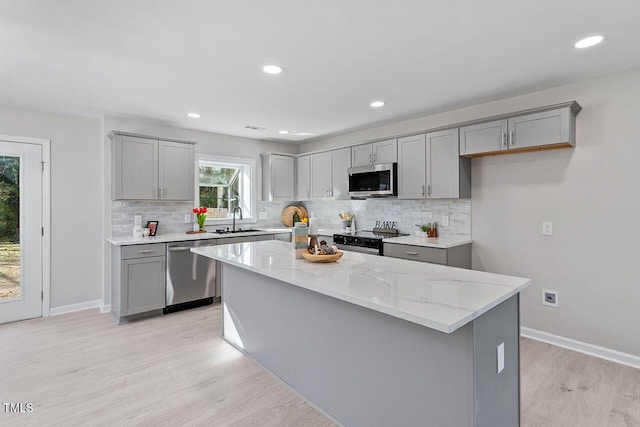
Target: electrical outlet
{"type": "Point", "coordinates": [262, 215]}
{"type": "Point", "coordinates": [550, 298]}
{"type": "Point", "coordinates": [188, 218]}
{"type": "Point", "coordinates": [445, 220]}
{"type": "Point", "coordinates": [547, 228]}
{"type": "Point", "coordinates": [500, 355]}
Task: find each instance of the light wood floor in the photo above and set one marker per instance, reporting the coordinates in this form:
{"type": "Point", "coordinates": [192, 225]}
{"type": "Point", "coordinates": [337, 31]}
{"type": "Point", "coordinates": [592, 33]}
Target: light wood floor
{"type": "Point", "coordinates": [82, 369]}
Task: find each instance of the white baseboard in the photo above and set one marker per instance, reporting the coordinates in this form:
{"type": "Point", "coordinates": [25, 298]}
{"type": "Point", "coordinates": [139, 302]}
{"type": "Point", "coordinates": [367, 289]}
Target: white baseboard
{"type": "Point", "coordinates": [582, 347]}
{"type": "Point", "coordinates": [105, 308]}
{"type": "Point", "coordinates": [56, 311]}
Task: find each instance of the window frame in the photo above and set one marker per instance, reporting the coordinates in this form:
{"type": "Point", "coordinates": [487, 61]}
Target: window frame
{"type": "Point", "coordinates": [233, 161]}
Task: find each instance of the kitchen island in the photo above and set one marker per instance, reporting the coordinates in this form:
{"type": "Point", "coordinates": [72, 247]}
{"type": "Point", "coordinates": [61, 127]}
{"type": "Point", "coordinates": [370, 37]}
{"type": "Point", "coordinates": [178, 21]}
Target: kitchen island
{"type": "Point", "coordinates": [372, 340]}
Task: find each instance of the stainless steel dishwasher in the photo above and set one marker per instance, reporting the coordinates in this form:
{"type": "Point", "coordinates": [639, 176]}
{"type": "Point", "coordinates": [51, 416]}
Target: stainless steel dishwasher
{"type": "Point", "coordinates": [191, 279]}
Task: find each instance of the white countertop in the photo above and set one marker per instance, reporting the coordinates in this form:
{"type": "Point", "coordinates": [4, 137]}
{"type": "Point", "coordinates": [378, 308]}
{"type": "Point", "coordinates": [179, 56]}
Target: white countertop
{"type": "Point", "coordinates": [180, 237]}
{"type": "Point", "coordinates": [436, 296]}
{"type": "Point", "coordinates": [430, 242]}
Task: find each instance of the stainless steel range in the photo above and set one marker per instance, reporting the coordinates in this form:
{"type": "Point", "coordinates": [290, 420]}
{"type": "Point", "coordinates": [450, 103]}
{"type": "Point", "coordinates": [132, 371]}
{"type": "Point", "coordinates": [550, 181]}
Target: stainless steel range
{"type": "Point", "coordinates": [369, 242]}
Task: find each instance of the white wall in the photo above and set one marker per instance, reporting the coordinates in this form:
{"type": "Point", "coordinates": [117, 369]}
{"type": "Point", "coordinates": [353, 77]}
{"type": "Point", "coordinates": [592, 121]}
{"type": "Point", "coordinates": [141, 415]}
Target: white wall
{"type": "Point", "coordinates": [592, 195]}
{"type": "Point", "coordinates": [76, 191]}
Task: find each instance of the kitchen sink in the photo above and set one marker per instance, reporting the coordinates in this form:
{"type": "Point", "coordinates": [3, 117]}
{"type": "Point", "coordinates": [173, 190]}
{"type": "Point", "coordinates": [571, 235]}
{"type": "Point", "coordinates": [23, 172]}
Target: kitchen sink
{"type": "Point", "coordinates": [248, 230]}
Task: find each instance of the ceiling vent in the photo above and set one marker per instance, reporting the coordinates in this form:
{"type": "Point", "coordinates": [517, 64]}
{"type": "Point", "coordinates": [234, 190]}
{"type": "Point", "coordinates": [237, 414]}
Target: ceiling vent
{"type": "Point", "coordinates": [254, 127]}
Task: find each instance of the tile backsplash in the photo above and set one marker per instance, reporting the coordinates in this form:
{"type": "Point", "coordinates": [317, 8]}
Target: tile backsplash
{"type": "Point", "coordinates": [406, 213]}
{"type": "Point", "coordinates": [169, 214]}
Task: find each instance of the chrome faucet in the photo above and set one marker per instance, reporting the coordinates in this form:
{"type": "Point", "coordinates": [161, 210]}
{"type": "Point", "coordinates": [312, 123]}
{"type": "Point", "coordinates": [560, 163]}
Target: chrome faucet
{"type": "Point", "coordinates": [237, 208]}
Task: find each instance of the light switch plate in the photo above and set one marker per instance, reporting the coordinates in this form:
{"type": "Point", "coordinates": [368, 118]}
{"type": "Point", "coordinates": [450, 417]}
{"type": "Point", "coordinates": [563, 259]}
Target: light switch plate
{"type": "Point", "coordinates": [188, 218]}
{"type": "Point", "coordinates": [547, 228]}
{"type": "Point", "coordinates": [262, 215]}
{"type": "Point", "coordinates": [500, 354]}
{"type": "Point", "coordinates": [445, 220]}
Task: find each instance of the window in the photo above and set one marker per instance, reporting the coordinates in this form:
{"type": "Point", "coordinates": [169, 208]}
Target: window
{"type": "Point", "coordinates": [223, 183]}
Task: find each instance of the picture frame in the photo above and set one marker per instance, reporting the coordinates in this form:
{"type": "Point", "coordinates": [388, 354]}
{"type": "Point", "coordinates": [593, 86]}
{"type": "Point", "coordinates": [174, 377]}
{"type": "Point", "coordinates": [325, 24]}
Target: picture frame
{"type": "Point", "coordinates": [153, 227]}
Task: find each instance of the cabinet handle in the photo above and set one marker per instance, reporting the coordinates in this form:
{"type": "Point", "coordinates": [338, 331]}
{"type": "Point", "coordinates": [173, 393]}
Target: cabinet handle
{"type": "Point", "coordinates": [411, 253]}
{"type": "Point", "coordinates": [374, 157]}
{"type": "Point", "coordinates": [146, 251]}
{"type": "Point", "coordinates": [370, 158]}
{"type": "Point", "coordinates": [512, 138]}
{"type": "Point", "coordinates": [423, 190]}
{"type": "Point", "coordinates": [429, 190]}
{"type": "Point", "coordinates": [503, 139]}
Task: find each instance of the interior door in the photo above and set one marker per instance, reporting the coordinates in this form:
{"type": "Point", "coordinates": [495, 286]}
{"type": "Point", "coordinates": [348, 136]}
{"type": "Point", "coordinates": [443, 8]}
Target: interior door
{"type": "Point", "coordinates": [21, 255]}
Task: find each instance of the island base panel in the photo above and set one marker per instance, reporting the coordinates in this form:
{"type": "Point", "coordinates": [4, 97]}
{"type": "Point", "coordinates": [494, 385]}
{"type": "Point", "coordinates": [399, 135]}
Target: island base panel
{"type": "Point", "coordinates": [360, 366]}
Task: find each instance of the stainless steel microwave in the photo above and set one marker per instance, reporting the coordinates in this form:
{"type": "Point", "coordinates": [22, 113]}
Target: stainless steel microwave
{"type": "Point", "coordinates": [373, 180]}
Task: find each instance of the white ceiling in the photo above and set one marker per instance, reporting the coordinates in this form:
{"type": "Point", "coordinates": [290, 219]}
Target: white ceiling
{"type": "Point", "coordinates": [159, 59]}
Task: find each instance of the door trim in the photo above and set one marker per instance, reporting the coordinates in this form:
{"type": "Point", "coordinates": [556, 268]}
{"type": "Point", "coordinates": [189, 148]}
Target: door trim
{"type": "Point", "coordinates": [45, 144]}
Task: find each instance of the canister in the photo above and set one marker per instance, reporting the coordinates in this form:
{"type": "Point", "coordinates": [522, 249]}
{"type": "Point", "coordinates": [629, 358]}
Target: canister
{"type": "Point", "coordinates": [300, 238]}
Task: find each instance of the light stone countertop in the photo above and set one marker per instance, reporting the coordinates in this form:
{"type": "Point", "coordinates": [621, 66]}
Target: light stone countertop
{"type": "Point", "coordinates": [430, 242]}
{"type": "Point", "coordinates": [181, 237]}
{"type": "Point", "coordinates": [436, 296]}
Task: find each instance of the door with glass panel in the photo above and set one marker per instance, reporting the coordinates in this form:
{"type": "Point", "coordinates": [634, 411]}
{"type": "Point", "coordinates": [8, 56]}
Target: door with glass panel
{"type": "Point", "coordinates": [20, 231]}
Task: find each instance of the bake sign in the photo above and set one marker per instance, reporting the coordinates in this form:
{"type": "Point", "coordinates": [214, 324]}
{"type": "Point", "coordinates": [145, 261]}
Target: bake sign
{"type": "Point", "coordinates": [386, 225]}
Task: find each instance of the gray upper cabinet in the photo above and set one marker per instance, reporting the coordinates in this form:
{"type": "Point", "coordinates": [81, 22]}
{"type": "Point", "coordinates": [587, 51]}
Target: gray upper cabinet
{"type": "Point", "coordinates": [278, 177]}
{"type": "Point", "coordinates": [329, 174]}
{"type": "Point", "coordinates": [375, 153]}
{"type": "Point", "coordinates": [321, 175]}
{"type": "Point", "coordinates": [340, 164]}
{"type": "Point", "coordinates": [483, 138]}
{"type": "Point", "coordinates": [176, 172]}
{"type": "Point", "coordinates": [448, 175]}
{"type": "Point", "coordinates": [303, 178]}
{"type": "Point", "coordinates": [546, 129]}
{"type": "Point", "coordinates": [429, 167]}
{"type": "Point", "coordinates": [146, 168]}
{"type": "Point", "coordinates": [412, 172]}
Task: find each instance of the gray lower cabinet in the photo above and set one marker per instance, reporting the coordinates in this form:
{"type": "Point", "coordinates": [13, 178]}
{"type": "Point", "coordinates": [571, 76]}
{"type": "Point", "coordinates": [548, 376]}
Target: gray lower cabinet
{"type": "Point", "coordinates": [138, 274]}
{"type": "Point", "coordinates": [457, 256]}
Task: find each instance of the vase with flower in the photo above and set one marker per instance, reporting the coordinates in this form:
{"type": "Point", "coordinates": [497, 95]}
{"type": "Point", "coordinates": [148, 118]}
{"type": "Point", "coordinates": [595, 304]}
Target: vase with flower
{"type": "Point", "coordinates": [201, 217]}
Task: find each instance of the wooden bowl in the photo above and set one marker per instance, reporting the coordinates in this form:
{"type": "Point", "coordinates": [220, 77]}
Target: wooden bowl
{"type": "Point", "coordinates": [322, 258]}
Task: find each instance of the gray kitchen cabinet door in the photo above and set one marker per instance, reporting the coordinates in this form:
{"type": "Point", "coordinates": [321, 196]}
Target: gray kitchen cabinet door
{"type": "Point", "coordinates": [321, 175]}
{"type": "Point", "coordinates": [303, 178]}
{"type": "Point", "coordinates": [143, 285]}
{"type": "Point", "coordinates": [362, 155]}
{"type": "Point", "coordinates": [282, 177]}
{"type": "Point", "coordinates": [443, 162]}
{"type": "Point", "coordinates": [385, 151]}
{"type": "Point", "coordinates": [340, 164]}
{"type": "Point", "coordinates": [135, 168]}
{"type": "Point", "coordinates": [483, 137]}
{"type": "Point", "coordinates": [411, 167]}
{"type": "Point", "coordinates": [539, 129]}
{"type": "Point", "coordinates": [176, 173]}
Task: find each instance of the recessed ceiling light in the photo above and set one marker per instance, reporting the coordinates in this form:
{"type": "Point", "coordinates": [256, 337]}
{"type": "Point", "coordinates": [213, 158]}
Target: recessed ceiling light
{"type": "Point", "coordinates": [272, 69]}
{"type": "Point", "coordinates": [283, 132]}
{"type": "Point", "coordinates": [194, 115]}
{"type": "Point", "coordinates": [377, 104]}
{"type": "Point", "coordinates": [588, 42]}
